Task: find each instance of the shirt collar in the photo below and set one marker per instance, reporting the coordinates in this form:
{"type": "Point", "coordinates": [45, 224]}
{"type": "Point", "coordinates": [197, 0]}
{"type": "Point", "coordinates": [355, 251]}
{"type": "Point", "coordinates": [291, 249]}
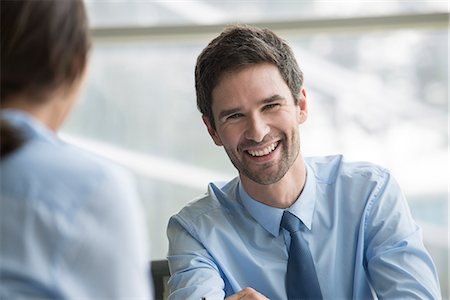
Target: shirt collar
{"type": "Point", "coordinates": [303, 207]}
{"type": "Point", "coordinates": [270, 217]}
{"type": "Point", "coordinates": [28, 125]}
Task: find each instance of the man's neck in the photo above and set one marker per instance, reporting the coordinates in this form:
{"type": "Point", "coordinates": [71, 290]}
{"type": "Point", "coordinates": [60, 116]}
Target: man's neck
{"type": "Point", "coordinates": [283, 193]}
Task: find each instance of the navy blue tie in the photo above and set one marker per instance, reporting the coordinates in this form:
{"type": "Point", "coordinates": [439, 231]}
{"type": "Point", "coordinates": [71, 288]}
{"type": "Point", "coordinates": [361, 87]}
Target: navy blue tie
{"type": "Point", "coordinates": [301, 277]}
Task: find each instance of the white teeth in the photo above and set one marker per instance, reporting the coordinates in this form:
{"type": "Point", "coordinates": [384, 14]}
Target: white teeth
{"type": "Point", "coordinates": [264, 151]}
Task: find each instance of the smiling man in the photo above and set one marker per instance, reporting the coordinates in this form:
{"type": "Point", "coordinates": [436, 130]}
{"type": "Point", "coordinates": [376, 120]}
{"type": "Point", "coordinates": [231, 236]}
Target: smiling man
{"type": "Point", "coordinates": [287, 227]}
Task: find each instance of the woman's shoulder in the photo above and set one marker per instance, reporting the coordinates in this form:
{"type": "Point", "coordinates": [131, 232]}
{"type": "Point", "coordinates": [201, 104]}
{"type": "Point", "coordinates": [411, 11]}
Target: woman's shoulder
{"type": "Point", "coordinates": [42, 170]}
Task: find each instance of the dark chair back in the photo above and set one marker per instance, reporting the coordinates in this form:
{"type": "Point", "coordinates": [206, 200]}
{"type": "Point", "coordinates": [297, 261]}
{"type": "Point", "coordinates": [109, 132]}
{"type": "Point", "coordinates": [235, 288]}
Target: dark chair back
{"type": "Point", "coordinates": [160, 274]}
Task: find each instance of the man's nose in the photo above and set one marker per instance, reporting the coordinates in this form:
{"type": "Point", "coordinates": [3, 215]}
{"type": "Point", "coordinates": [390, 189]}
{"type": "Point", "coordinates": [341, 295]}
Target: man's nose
{"type": "Point", "coordinates": [257, 128]}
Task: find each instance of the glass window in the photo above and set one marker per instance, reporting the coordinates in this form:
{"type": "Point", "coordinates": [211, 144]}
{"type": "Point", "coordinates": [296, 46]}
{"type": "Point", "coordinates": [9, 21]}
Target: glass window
{"type": "Point", "coordinates": [181, 12]}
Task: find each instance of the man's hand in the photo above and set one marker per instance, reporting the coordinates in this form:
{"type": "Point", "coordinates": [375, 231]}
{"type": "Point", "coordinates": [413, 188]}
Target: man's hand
{"type": "Point", "coordinates": [247, 294]}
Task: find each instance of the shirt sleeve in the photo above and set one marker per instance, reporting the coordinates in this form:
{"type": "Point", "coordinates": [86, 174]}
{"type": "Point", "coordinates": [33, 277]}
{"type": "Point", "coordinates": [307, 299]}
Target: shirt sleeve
{"type": "Point", "coordinates": [194, 274]}
{"type": "Point", "coordinates": [398, 264]}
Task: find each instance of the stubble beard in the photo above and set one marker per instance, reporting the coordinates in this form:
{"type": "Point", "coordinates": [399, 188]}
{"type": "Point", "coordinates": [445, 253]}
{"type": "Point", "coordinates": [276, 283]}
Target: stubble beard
{"type": "Point", "coordinates": [264, 175]}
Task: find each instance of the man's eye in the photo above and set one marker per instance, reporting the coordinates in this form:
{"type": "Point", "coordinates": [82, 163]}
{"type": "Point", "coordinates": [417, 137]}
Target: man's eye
{"type": "Point", "coordinates": [234, 116]}
{"type": "Point", "coordinates": [271, 106]}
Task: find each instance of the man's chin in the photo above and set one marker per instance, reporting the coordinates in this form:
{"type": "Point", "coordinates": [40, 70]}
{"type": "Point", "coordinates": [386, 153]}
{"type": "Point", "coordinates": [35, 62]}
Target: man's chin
{"type": "Point", "coordinates": [267, 179]}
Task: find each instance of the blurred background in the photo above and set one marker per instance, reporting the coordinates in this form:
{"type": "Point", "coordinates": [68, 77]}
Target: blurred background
{"type": "Point", "coordinates": [376, 73]}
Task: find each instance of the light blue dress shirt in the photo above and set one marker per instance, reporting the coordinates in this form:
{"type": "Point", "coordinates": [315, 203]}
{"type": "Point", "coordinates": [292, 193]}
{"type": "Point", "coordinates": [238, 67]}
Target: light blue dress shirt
{"type": "Point", "coordinates": [71, 226]}
{"type": "Point", "coordinates": [362, 238]}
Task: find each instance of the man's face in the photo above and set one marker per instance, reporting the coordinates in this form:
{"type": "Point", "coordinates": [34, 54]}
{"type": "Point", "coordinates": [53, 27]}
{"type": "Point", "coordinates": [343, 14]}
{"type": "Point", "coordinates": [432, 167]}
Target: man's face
{"type": "Point", "coordinates": [257, 122]}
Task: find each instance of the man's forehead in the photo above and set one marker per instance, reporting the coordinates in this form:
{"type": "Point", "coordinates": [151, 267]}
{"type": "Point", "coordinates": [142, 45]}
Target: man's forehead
{"type": "Point", "coordinates": [258, 82]}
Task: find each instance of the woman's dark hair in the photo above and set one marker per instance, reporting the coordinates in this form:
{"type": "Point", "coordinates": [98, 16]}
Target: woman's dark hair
{"type": "Point", "coordinates": [44, 46]}
{"type": "Point", "coordinates": [239, 46]}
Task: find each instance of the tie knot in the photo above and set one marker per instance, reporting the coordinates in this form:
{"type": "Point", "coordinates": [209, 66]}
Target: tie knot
{"type": "Point", "coordinates": [290, 222]}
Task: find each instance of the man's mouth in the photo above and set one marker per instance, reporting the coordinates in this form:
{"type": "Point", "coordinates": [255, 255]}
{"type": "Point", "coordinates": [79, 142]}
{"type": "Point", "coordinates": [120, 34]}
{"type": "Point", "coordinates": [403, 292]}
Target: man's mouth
{"type": "Point", "coordinates": [265, 151]}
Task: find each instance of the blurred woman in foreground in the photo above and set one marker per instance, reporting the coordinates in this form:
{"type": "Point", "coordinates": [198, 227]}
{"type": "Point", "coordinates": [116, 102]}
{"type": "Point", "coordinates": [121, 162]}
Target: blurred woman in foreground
{"type": "Point", "coordinates": [70, 223]}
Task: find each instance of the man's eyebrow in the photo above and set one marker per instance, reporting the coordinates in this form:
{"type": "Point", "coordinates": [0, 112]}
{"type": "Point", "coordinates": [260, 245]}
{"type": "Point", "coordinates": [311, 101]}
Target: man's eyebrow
{"type": "Point", "coordinates": [271, 99]}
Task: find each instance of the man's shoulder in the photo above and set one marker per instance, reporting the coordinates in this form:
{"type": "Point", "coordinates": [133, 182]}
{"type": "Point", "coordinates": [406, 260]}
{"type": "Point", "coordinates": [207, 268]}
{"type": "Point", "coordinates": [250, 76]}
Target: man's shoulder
{"type": "Point", "coordinates": [329, 169]}
{"type": "Point", "coordinates": [219, 200]}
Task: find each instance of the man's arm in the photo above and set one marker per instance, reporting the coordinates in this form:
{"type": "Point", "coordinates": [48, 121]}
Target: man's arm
{"type": "Point", "coordinates": [397, 262]}
{"type": "Point", "coordinates": [195, 274]}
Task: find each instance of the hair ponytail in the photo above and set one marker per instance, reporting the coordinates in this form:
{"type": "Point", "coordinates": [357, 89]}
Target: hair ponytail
{"type": "Point", "coordinates": [10, 139]}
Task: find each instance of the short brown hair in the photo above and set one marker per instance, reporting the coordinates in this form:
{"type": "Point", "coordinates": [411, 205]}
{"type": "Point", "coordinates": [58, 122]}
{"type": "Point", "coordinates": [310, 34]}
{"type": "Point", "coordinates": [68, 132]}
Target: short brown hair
{"type": "Point", "coordinates": [239, 46]}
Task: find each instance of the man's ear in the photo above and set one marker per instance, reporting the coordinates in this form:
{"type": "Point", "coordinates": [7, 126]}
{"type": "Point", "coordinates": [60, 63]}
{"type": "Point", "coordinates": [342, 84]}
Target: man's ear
{"type": "Point", "coordinates": [211, 131]}
{"type": "Point", "coordinates": [302, 107]}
